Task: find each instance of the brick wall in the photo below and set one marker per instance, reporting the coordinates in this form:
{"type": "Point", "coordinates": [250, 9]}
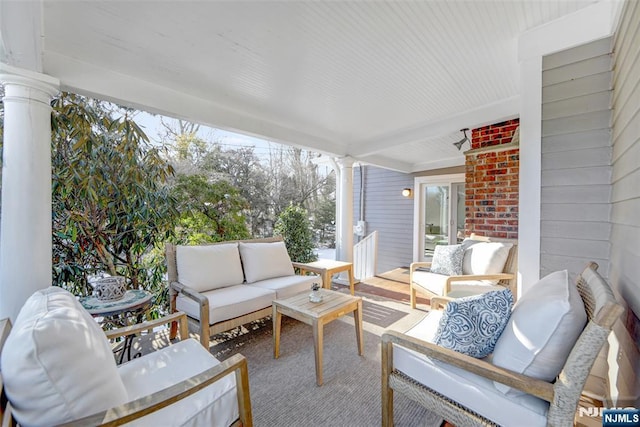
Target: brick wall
{"type": "Point", "coordinates": [492, 182]}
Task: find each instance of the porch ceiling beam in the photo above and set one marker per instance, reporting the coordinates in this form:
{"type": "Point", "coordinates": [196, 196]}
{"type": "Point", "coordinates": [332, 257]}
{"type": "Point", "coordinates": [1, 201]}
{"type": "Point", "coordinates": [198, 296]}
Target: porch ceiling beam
{"type": "Point", "coordinates": [438, 164]}
{"type": "Point", "coordinates": [491, 113]}
{"type": "Point", "coordinates": [90, 80]}
{"type": "Point", "coordinates": [387, 163]}
{"type": "Point", "coordinates": [21, 34]}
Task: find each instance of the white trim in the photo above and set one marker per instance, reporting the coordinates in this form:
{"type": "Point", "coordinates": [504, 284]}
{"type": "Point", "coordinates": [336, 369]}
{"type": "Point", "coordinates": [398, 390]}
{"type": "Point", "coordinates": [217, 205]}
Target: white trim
{"type": "Point", "coordinates": [530, 174]}
{"type": "Point", "coordinates": [588, 24]}
{"type": "Point", "coordinates": [491, 113]}
{"type": "Point", "coordinates": [418, 224]}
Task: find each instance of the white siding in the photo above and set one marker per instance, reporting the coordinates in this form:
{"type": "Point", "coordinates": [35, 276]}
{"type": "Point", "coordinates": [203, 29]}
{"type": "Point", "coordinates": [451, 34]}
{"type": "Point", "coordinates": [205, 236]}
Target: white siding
{"type": "Point", "coordinates": [576, 158]}
{"type": "Point", "coordinates": [388, 212]}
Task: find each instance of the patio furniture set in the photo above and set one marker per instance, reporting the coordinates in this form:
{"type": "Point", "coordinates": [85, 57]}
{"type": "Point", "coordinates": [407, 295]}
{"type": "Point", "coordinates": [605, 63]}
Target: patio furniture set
{"type": "Point", "coordinates": [441, 362]}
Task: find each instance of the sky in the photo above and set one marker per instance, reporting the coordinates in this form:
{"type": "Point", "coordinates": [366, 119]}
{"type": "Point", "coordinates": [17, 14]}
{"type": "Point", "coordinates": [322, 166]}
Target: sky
{"type": "Point", "coordinates": [153, 128]}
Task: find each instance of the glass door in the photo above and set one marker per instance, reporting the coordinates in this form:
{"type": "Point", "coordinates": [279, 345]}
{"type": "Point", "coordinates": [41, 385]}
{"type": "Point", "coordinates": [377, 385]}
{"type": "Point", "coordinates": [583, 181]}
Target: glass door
{"type": "Point", "coordinates": [436, 217]}
{"type": "Point", "coordinates": [439, 213]}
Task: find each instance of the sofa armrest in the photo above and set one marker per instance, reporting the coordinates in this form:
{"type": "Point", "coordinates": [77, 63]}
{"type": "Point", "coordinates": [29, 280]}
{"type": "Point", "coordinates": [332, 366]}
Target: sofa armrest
{"type": "Point", "coordinates": [533, 386]}
{"type": "Point", "coordinates": [416, 265]}
{"type": "Point", "coordinates": [176, 288]}
{"type": "Point", "coordinates": [467, 277]}
{"type": "Point", "coordinates": [179, 317]}
{"type": "Point", "coordinates": [299, 265]}
{"type": "Point", "coordinates": [438, 301]}
{"type": "Point", "coordinates": [153, 402]}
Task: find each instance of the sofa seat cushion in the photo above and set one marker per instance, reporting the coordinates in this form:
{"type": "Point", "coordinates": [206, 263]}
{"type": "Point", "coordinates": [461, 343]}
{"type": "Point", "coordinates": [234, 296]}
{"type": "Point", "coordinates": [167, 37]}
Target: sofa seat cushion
{"type": "Point", "coordinates": [228, 303]}
{"type": "Point", "coordinates": [57, 365]}
{"type": "Point", "coordinates": [263, 261]}
{"type": "Point", "coordinates": [215, 405]}
{"type": "Point", "coordinates": [207, 267]}
{"type": "Point", "coordinates": [288, 286]}
{"type": "Point", "coordinates": [436, 283]}
{"type": "Point", "coordinates": [476, 393]}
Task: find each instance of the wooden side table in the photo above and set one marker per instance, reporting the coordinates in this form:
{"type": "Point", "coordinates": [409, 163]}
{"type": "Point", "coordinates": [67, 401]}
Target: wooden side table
{"type": "Point", "coordinates": [317, 314]}
{"type": "Point", "coordinates": [327, 268]}
{"type": "Point", "coordinates": [133, 304]}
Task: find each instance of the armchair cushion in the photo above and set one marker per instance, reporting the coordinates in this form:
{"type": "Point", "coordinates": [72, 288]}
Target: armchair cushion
{"type": "Point", "coordinates": [215, 405]}
{"type": "Point", "coordinates": [447, 259]}
{"type": "Point", "coordinates": [472, 325]}
{"type": "Point", "coordinates": [485, 258]}
{"type": "Point", "coordinates": [54, 376]}
{"type": "Point", "coordinates": [543, 328]}
{"type": "Point", "coordinates": [265, 261]}
{"type": "Point", "coordinates": [436, 283]}
{"type": "Point", "coordinates": [470, 390]}
{"type": "Point", "coordinates": [207, 267]}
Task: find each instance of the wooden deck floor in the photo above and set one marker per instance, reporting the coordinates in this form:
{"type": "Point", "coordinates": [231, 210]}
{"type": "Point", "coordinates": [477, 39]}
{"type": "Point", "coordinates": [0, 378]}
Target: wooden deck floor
{"type": "Point", "coordinates": [393, 284]}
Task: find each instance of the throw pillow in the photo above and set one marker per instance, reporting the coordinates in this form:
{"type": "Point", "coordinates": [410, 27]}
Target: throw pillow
{"type": "Point", "coordinates": [544, 326]}
{"type": "Point", "coordinates": [447, 260]}
{"type": "Point", "coordinates": [263, 261]}
{"type": "Point", "coordinates": [208, 267]}
{"type": "Point", "coordinates": [472, 325]}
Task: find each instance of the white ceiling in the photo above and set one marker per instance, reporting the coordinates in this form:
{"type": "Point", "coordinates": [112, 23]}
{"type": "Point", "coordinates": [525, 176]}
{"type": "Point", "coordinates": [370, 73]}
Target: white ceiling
{"type": "Point", "coordinates": [386, 82]}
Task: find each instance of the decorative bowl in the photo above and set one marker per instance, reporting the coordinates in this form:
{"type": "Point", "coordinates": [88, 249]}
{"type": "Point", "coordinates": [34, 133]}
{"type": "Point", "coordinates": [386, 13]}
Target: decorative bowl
{"type": "Point", "coordinates": [109, 288]}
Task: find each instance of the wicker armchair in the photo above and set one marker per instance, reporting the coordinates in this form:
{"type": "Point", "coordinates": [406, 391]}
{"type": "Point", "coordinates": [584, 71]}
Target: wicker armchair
{"type": "Point", "coordinates": [556, 400]}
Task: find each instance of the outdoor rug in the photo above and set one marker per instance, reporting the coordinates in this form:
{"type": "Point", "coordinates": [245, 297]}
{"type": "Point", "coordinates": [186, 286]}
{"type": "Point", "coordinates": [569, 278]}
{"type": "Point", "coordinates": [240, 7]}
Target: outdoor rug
{"type": "Point", "coordinates": [284, 391]}
{"type": "Point", "coordinates": [380, 315]}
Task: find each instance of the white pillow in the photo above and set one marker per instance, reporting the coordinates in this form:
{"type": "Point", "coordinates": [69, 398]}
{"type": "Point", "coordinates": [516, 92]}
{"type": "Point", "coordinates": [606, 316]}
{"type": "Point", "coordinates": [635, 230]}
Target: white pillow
{"type": "Point", "coordinates": [544, 325]}
{"type": "Point", "coordinates": [485, 258]}
{"type": "Point", "coordinates": [57, 364]}
{"type": "Point", "coordinates": [263, 261]}
{"type": "Point", "coordinates": [207, 267]}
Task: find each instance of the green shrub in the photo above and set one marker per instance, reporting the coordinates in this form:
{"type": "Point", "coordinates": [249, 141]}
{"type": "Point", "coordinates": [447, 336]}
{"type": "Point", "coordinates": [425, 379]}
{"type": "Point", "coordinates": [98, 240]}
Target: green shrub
{"type": "Point", "coordinates": [295, 228]}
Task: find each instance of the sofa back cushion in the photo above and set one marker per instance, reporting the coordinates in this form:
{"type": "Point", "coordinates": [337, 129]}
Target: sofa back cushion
{"type": "Point", "coordinates": [207, 267]}
{"type": "Point", "coordinates": [57, 364]}
{"type": "Point", "coordinates": [485, 258]}
{"type": "Point", "coordinates": [543, 328]}
{"type": "Point", "coordinates": [263, 261]}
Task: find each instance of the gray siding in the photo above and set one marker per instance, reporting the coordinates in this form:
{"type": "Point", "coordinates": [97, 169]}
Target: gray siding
{"type": "Point", "coordinates": [625, 203]}
{"type": "Point", "coordinates": [576, 158]}
{"type": "Point", "coordinates": [388, 212]}
{"type": "Point", "coordinates": [625, 236]}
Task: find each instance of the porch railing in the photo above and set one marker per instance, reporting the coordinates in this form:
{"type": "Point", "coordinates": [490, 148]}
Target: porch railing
{"type": "Point", "coordinates": [365, 254]}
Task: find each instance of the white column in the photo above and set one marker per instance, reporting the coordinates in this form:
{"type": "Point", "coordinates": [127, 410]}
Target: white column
{"type": "Point", "coordinates": [344, 214]}
{"type": "Point", "coordinates": [530, 174]}
{"type": "Point", "coordinates": [25, 225]}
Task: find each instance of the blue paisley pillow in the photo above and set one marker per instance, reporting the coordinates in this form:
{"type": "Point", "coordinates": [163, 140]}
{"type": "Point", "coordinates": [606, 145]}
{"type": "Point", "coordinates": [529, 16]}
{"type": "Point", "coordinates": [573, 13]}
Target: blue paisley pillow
{"type": "Point", "coordinates": [472, 325]}
{"type": "Point", "coordinates": [447, 260]}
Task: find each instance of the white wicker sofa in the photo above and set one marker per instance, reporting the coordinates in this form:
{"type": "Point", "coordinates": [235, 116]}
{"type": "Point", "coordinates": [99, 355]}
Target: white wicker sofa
{"type": "Point", "coordinates": [228, 284]}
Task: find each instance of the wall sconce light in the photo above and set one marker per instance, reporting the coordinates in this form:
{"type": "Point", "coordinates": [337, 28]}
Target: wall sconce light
{"type": "Point", "coordinates": [463, 140]}
{"type": "Point", "coordinates": [406, 192]}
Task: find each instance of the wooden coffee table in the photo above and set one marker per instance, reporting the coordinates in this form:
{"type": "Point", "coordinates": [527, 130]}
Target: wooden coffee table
{"type": "Point", "coordinates": [333, 305]}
